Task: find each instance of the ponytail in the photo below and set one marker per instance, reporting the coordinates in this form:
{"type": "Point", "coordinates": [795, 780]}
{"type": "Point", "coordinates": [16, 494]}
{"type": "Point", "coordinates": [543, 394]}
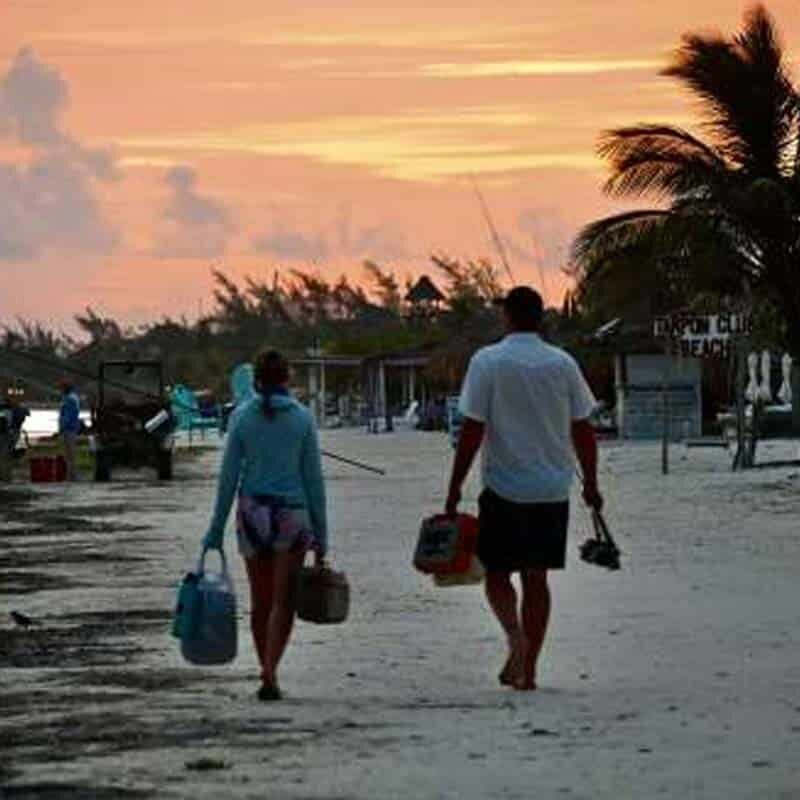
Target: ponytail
{"type": "Point", "coordinates": [271, 375]}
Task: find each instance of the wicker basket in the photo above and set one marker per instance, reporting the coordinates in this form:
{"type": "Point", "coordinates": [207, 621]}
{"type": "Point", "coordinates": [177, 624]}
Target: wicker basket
{"type": "Point", "coordinates": [323, 596]}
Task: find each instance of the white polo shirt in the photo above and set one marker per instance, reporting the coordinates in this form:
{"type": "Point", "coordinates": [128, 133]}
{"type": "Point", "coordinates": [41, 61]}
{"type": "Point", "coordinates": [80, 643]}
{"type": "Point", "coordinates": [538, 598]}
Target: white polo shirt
{"type": "Point", "coordinates": [527, 393]}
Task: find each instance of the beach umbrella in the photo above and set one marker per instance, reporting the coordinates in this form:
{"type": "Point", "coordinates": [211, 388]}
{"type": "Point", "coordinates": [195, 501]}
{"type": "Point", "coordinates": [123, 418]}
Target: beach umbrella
{"type": "Point", "coordinates": [785, 392]}
{"type": "Point", "coordinates": [765, 390]}
{"type": "Point", "coordinates": [751, 393]}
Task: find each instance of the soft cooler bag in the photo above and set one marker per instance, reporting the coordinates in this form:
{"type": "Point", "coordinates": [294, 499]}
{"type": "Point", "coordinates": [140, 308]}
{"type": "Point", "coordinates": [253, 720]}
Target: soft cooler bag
{"type": "Point", "coordinates": [323, 595]}
{"type": "Point", "coordinates": [205, 616]}
{"type": "Point", "coordinates": [447, 545]}
{"type": "Point", "coordinates": [475, 574]}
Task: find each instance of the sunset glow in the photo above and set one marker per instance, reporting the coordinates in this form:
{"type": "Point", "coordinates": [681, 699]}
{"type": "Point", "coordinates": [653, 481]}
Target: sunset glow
{"type": "Point", "coordinates": [140, 146]}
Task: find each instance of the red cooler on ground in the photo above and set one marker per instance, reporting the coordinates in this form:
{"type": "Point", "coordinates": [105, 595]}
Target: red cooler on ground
{"type": "Point", "coordinates": [48, 469]}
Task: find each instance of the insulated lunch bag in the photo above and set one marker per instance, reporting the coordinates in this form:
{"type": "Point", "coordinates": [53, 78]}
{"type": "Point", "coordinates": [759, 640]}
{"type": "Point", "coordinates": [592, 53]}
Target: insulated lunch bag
{"type": "Point", "coordinates": [205, 615]}
{"type": "Point", "coordinates": [447, 545]}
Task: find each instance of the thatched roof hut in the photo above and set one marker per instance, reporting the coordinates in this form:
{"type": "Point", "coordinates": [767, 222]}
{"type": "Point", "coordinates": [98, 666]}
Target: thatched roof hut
{"type": "Point", "coordinates": [424, 294]}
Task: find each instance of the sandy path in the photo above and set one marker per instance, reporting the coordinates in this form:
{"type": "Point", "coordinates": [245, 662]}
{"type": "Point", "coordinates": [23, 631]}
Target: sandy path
{"type": "Point", "coordinates": [677, 677]}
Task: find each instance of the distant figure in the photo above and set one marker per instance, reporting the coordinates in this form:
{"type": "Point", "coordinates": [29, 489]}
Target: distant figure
{"type": "Point", "coordinates": [19, 413]}
{"type": "Point", "coordinates": [69, 426]}
{"type": "Point", "coordinates": [529, 405]}
{"type": "Point", "coordinates": [272, 459]}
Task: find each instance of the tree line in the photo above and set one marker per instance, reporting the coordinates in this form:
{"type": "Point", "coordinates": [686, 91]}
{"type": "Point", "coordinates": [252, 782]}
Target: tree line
{"type": "Point", "coordinates": [296, 313]}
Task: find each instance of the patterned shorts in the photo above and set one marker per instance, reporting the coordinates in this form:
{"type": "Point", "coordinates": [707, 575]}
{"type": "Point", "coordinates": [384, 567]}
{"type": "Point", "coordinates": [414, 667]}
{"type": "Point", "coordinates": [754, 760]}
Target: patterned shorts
{"type": "Point", "coordinates": [266, 524]}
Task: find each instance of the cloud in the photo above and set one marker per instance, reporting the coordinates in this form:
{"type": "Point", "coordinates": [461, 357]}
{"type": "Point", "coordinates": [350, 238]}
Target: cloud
{"type": "Point", "coordinates": [412, 144]}
{"type": "Point", "coordinates": [551, 67]}
{"type": "Point", "coordinates": [339, 238]}
{"type": "Point", "coordinates": [548, 235]}
{"type": "Point", "coordinates": [49, 203]}
{"type": "Point", "coordinates": [293, 245]}
{"type": "Point", "coordinates": [379, 241]}
{"type": "Point", "coordinates": [32, 97]}
{"type": "Point", "coordinates": [195, 225]}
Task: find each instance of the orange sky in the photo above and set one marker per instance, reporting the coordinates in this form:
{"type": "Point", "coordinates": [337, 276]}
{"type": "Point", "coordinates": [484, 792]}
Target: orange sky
{"type": "Point", "coordinates": [142, 143]}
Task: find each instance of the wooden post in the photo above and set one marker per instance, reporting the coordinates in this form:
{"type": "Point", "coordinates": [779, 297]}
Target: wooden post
{"type": "Point", "coordinates": [383, 404]}
{"type": "Point", "coordinates": [795, 385]}
{"type": "Point", "coordinates": [313, 399]}
{"type": "Point", "coordinates": [739, 458]}
{"type": "Point", "coordinates": [665, 411]}
{"type": "Point", "coordinates": [619, 386]}
{"type": "Point", "coordinates": [755, 423]}
{"type": "Point", "coordinates": [322, 409]}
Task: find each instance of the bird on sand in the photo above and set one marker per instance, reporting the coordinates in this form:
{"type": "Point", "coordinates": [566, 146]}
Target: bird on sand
{"type": "Point", "coordinates": [23, 620]}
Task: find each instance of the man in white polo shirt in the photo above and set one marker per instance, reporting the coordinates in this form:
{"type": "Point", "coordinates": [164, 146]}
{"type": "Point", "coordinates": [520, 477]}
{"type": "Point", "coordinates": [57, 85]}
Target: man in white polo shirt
{"type": "Point", "coordinates": [529, 405]}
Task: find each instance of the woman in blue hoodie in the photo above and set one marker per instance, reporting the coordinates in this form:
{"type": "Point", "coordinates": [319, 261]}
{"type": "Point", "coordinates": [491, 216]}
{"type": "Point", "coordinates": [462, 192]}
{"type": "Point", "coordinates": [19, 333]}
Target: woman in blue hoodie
{"type": "Point", "coordinates": [272, 458]}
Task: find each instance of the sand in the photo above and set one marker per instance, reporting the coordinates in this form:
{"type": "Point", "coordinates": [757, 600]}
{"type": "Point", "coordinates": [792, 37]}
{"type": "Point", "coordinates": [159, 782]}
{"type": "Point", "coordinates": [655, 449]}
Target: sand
{"type": "Point", "coordinates": [677, 677]}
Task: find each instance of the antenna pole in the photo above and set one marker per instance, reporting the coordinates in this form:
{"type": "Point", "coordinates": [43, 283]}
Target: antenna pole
{"type": "Point", "coordinates": [498, 242]}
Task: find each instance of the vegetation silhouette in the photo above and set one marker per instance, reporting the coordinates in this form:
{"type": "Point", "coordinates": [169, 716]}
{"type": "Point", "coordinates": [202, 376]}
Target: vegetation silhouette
{"type": "Point", "coordinates": [725, 224]}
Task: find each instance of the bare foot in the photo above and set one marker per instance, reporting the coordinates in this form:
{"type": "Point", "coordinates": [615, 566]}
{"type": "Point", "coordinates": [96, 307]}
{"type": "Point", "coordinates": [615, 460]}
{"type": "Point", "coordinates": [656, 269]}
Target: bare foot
{"type": "Point", "coordinates": [506, 676]}
{"type": "Point", "coordinates": [512, 669]}
{"type": "Point", "coordinates": [525, 679]}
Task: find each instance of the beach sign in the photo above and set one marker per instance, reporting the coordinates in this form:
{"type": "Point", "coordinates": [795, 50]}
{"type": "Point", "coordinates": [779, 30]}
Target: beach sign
{"type": "Point", "coordinates": [703, 335]}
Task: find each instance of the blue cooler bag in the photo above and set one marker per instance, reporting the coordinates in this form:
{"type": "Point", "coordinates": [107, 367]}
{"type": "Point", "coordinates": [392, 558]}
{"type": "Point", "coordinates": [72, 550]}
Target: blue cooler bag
{"type": "Point", "coordinates": [205, 615]}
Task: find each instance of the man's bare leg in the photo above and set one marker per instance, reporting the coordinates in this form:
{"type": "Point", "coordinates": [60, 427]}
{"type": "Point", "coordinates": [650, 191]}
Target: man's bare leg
{"type": "Point", "coordinates": [535, 616]}
{"type": "Point", "coordinates": [502, 598]}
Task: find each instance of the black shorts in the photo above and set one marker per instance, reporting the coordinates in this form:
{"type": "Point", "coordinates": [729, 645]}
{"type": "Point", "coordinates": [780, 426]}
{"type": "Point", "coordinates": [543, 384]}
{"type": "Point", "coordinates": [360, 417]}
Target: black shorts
{"type": "Point", "coordinates": [520, 536]}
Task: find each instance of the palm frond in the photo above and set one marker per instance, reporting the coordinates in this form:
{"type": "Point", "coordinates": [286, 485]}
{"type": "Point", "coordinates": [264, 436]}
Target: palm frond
{"type": "Point", "coordinates": [653, 263]}
{"type": "Point", "coordinates": [610, 236]}
{"type": "Point", "coordinates": [748, 99]}
{"type": "Point", "coordinates": [660, 160]}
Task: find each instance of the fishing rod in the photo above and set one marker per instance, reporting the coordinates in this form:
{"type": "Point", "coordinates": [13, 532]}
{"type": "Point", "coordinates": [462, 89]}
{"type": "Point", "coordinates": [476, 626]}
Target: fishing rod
{"type": "Point", "coordinates": [52, 364]}
{"type": "Point", "coordinates": [353, 463]}
{"type": "Point", "coordinates": [498, 242]}
{"type": "Point", "coordinates": [143, 393]}
{"type": "Point", "coordinates": [43, 387]}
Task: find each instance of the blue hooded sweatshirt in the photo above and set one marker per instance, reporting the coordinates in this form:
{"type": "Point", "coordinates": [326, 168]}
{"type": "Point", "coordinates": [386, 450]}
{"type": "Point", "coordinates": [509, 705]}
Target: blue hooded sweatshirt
{"type": "Point", "coordinates": [277, 456]}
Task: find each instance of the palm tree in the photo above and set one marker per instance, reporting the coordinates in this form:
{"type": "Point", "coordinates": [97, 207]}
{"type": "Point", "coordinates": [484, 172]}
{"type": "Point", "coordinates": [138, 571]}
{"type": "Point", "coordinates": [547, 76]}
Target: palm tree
{"type": "Point", "coordinates": [726, 216]}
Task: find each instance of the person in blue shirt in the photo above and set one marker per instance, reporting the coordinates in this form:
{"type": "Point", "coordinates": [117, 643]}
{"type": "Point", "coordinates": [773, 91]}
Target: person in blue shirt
{"type": "Point", "coordinates": [69, 426]}
{"type": "Point", "coordinates": [272, 461]}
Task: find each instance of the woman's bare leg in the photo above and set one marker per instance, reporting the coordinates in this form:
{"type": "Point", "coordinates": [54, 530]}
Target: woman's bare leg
{"type": "Point", "coordinates": [284, 568]}
{"type": "Point", "coordinates": [259, 574]}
